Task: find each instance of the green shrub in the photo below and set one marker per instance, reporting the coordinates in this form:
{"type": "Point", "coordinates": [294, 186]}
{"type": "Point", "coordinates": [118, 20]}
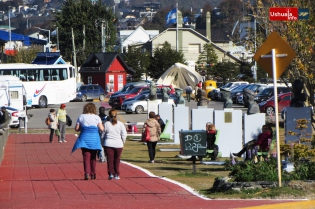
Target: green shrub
{"type": "Point", "coordinates": [304, 171]}
{"type": "Point", "coordinates": [247, 171]}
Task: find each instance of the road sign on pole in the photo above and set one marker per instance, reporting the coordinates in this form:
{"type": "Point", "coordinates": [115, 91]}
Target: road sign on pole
{"type": "Point", "coordinates": [274, 56]}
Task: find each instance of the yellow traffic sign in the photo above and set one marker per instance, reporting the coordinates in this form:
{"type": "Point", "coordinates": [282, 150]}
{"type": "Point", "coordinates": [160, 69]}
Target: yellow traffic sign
{"type": "Point", "coordinates": [282, 48]}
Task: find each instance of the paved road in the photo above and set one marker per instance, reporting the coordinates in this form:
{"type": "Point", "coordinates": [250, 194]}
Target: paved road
{"type": "Point", "coordinates": [74, 109]}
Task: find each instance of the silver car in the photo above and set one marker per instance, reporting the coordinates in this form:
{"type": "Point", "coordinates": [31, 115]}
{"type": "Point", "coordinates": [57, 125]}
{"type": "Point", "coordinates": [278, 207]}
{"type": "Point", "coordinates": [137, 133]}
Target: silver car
{"type": "Point", "coordinates": [139, 104]}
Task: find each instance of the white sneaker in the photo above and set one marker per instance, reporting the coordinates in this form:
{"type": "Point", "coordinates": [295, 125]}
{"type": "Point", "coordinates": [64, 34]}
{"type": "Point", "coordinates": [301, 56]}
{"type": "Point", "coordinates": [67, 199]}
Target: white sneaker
{"type": "Point", "coordinates": [110, 177]}
{"type": "Point", "coordinates": [117, 177]}
{"type": "Point", "coordinates": [64, 141]}
{"type": "Point", "coordinates": [59, 141]}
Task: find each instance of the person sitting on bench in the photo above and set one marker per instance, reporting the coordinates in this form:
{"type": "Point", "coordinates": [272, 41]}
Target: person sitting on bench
{"type": "Point", "coordinates": [211, 138]}
{"type": "Point", "coordinates": [262, 142]}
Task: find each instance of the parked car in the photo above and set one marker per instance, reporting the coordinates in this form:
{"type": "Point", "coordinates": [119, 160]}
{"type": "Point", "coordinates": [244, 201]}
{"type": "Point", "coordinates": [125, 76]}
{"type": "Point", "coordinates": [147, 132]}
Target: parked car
{"type": "Point", "coordinates": [256, 88]}
{"type": "Point", "coordinates": [129, 86]}
{"type": "Point", "coordinates": [238, 90]}
{"type": "Point", "coordinates": [269, 92]}
{"type": "Point", "coordinates": [15, 114]}
{"type": "Point", "coordinates": [239, 99]}
{"type": "Point", "coordinates": [228, 86]}
{"type": "Point", "coordinates": [117, 101]}
{"type": "Point", "coordinates": [268, 106]}
{"type": "Point", "coordinates": [89, 92]}
{"type": "Point", "coordinates": [139, 104]}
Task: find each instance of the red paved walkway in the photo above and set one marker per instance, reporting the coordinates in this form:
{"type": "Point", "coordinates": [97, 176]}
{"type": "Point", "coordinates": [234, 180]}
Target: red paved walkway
{"type": "Point", "coordinates": [38, 174]}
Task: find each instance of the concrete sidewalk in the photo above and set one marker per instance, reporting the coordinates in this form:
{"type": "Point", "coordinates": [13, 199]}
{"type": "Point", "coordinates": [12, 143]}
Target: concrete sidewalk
{"type": "Point", "coordinates": [37, 174]}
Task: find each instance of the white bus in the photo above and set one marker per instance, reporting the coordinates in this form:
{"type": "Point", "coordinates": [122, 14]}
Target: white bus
{"type": "Point", "coordinates": [45, 84]}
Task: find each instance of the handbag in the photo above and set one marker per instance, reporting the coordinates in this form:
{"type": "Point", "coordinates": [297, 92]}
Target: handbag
{"type": "Point", "coordinates": [57, 132]}
{"type": "Point", "coordinates": [47, 121]}
{"type": "Point", "coordinates": [146, 135]}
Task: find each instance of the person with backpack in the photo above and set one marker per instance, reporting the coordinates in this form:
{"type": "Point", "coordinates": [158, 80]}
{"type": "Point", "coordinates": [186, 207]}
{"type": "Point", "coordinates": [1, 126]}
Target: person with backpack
{"type": "Point", "coordinates": [188, 90]}
{"type": "Point", "coordinates": [52, 124]}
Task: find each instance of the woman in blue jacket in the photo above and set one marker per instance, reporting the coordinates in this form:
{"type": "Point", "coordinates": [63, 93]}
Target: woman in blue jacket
{"type": "Point", "coordinates": [89, 124]}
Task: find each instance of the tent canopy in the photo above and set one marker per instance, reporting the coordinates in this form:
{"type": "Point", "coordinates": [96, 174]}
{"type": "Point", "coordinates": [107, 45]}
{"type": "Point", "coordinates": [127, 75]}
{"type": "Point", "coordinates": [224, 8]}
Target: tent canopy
{"type": "Point", "coordinates": [179, 75]}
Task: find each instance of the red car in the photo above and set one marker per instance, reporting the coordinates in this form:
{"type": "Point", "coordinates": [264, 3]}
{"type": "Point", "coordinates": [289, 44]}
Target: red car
{"type": "Point", "coordinates": [118, 100]}
{"type": "Point", "coordinates": [268, 106]}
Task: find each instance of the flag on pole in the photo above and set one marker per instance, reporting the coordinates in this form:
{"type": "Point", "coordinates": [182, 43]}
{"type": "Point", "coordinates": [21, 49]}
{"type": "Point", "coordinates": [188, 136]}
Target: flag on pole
{"type": "Point", "coordinates": [171, 17]}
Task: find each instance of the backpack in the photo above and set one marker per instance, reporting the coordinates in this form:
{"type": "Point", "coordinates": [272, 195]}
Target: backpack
{"type": "Point", "coordinates": [47, 121]}
{"type": "Point", "coordinates": [68, 121]}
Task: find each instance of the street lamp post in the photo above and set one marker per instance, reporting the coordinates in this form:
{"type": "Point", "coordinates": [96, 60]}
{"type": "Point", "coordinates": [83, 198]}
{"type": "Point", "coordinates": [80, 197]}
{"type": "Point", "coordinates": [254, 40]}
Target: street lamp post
{"type": "Point", "coordinates": [254, 68]}
{"type": "Point", "coordinates": [9, 28]}
{"type": "Point", "coordinates": [48, 37]}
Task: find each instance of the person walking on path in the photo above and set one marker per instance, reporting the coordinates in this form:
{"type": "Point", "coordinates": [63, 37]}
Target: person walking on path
{"type": "Point", "coordinates": [196, 92]}
{"type": "Point", "coordinates": [104, 118]}
{"type": "Point", "coordinates": [53, 124]}
{"type": "Point", "coordinates": [89, 124]}
{"type": "Point", "coordinates": [62, 120]}
{"type": "Point", "coordinates": [200, 84]}
{"type": "Point", "coordinates": [155, 131]}
{"type": "Point", "coordinates": [188, 90]}
{"type": "Point", "coordinates": [114, 140]}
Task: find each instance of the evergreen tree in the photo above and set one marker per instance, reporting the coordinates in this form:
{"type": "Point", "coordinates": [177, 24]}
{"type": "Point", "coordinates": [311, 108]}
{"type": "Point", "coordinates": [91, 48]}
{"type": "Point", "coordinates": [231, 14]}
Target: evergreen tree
{"type": "Point", "coordinates": [76, 14]}
{"type": "Point", "coordinates": [207, 59]}
{"type": "Point", "coordinates": [163, 59]}
{"type": "Point", "coordinates": [138, 61]}
{"type": "Point", "coordinates": [226, 70]}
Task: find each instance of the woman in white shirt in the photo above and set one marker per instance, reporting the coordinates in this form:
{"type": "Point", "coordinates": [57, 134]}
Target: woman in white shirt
{"type": "Point", "coordinates": [114, 139]}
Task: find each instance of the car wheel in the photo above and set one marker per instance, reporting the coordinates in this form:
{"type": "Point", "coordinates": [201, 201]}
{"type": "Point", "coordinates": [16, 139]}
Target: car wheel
{"type": "Point", "coordinates": [102, 97]}
{"type": "Point", "coordinates": [83, 98]}
{"type": "Point", "coordinates": [139, 109]}
{"type": "Point", "coordinates": [42, 102]}
{"type": "Point", "coordinates": [270, 111]}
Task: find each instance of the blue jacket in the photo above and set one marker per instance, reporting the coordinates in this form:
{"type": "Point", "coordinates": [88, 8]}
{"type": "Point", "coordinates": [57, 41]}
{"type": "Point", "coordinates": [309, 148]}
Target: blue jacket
{"type": "Point", "coordinates": [89, 138]}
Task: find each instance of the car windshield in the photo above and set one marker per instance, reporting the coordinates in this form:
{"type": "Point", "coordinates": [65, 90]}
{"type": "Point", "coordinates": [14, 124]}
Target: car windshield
{"type": "Point", "coordinates": [266, 91]}
{"type": "Point", "coordinates": [228, 85]}
{"type": "Point", "coordinates": [141, 97]}
{"type": "Point", "coordinates": [124, 89]}
{"type": "Point", "coordinates": [134, 90]}
{"type": "Point", "coordinates": [82, 88]}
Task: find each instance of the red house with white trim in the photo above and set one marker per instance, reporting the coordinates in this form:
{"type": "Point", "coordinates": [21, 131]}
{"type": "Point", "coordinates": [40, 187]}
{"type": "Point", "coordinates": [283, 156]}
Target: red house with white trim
{"type": "Point", "coordinates": [105, 69]}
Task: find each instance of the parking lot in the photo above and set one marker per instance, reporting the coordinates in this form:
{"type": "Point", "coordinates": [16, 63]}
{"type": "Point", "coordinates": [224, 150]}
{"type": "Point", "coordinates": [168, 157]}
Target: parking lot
{"type": "Point", "coordinates": [74, 109]}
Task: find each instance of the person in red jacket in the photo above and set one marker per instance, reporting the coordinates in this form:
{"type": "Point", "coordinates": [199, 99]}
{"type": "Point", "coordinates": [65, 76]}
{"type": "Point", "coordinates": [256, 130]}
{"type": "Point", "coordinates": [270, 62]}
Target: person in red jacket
{"type": "Point", "coordinates": [200, 84]}
{"type": "Point", "coordinates": [263, 142]}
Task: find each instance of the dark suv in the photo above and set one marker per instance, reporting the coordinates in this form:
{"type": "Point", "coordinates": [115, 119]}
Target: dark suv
{"type": "Point", "coordinates": [268, 93]}
{"type": "Point", "coordinates": [117, 101]}
{"type": "Point", "coordinates": [90, 91]}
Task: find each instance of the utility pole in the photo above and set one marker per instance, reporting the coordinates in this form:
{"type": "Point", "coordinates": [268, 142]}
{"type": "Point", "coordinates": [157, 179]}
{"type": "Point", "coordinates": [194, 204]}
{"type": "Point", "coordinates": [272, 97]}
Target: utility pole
{"type": "Point", "coordinates": [254, 68]}
{"type": "Point", "coordinates": [74, 55]}
{"type": "Point", "coordinates": [9, 28]}
{"type": "Point", "coordinates": [83, 37]}
{"type": "Point", "coordinates": [57, 39]}
{"type": "Point", "coordinates": [103, 30]}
